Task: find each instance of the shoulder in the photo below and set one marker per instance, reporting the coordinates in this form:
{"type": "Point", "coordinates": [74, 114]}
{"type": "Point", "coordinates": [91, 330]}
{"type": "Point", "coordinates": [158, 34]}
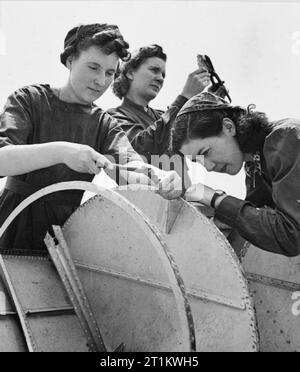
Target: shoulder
{"type": "Point", "coordinates": [34, 90]}
{"type": "Point", "coordinates": [121, 111]}
{"type": "Point", "coordinates": [124, 116]}
{"type": "Point", "coordinates": [282, 145]}
{"type": "Point", "coordinates": [31, 93]}
{"type": "Point", "coordinates": [284, 133]}
{"type": "Point", "coordinates": [107, 120]}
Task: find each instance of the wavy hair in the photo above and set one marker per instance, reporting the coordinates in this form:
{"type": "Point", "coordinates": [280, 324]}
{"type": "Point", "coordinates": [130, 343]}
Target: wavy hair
{"type": "Point", "coordinates": [107, 37]}
{"type": "Point", "coordinates": [121, 82]}
{"type": "Point", "coordinates": [251, 127]}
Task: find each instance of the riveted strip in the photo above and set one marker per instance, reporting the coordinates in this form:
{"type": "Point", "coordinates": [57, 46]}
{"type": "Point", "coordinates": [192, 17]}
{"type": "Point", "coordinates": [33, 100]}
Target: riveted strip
{"type": "Point", "coordinates": [194, 293]}
{"type": "Point", "coordinates": [29, 338]}
{"type": "Point", "coordinates": [273, 282]}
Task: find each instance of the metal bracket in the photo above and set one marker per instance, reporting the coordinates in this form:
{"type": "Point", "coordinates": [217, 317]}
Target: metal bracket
{"type": "Point", "coordinates": [67, 272]}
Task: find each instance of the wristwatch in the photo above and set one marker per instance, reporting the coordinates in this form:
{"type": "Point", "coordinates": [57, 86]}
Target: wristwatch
{"type": "Point", "coordinates": [216, 194]}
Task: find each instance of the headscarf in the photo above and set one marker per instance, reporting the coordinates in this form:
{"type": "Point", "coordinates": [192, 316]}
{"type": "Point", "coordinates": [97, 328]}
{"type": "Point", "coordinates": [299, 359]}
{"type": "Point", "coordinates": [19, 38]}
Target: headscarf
{"type": "Point", "coordinates": [204, 101]}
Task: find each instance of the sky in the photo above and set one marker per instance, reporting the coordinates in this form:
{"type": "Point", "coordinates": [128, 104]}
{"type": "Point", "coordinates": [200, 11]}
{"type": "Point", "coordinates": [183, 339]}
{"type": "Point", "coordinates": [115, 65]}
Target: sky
{"type": "Point", "coordinates": [255, 48]}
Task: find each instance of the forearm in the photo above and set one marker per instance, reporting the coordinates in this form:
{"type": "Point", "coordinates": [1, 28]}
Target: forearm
{"type": "Point", "coordinates": [155, 139]}
{"type": "Point", "coordinates": [267, 228]}
{"type": "Point", "coordinates": [21, 159]}
{"type": "Point", "coordinates": [202, 194]}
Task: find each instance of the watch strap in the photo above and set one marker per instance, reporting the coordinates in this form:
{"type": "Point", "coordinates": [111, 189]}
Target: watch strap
{"type": "Point", "coordinates": [215, 196]}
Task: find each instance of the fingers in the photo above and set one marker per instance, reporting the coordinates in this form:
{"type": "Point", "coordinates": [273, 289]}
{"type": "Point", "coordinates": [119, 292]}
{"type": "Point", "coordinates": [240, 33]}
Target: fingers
{"type": "Point", "coordinates": [204, 78]}
{"type": "Point", "coordinates": [93, 169]}
{"type": "Point", "coordinates": [199, 71]}
{"type": "Point", "coordinates": [154, 177]}
{"type": "Point", "coordinates": [102, 162]}
{"type": "Point", "coordinates": [170, 187]}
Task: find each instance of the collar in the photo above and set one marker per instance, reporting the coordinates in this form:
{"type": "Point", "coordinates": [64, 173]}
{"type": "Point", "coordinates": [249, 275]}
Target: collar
{"type": "Point", "coordinates": [128, 102]}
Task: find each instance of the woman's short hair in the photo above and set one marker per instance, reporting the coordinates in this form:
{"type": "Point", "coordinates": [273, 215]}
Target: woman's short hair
{"type": "Point", "coordinates": [107, 37]}
{"type": "Point", "coordinates": [251, 127]}
{"type": "Point", "coordinates": [121, 83]}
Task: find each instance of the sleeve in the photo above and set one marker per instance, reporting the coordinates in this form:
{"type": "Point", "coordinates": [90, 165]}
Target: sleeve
{"type": "Point", "coordinates": [15, 120]}
{"type": "Point", "coordinates": [275, 230]}
{"type": "Point", "coordinates": [155, 139]}
{"type": "Point", "coordinates": [116, 143]}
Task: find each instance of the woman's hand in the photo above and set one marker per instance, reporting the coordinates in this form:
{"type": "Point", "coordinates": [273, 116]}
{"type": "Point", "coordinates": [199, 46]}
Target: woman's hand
{"type": "Point", "coordinates": [196, 82]}
{"type": "Point", "coordinates": [203, 194]}
{"type": "Point", "coordinates": [84, 159]}
{"type": "Point", "coordinates": [200, 193]}
{"type": "Point", "coordinates": [169, 184]}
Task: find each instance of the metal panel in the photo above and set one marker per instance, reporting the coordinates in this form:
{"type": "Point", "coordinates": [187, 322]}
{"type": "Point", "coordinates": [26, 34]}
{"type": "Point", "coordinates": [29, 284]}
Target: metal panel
{"type": "Point", "coordinates": [148, 236]}
{"type": "Point", "coordinates": [133, 291]}
{"type": "Point", "coordinates": [273, 280]}
{"type": "Point", "coordinates": [10, 330]}
{"type": "Point", "coordinates": [43, 303]}
{"type": "Point", "coordinates": [100, 234]}
{"type": "Point", "coordinates": [208, 266]}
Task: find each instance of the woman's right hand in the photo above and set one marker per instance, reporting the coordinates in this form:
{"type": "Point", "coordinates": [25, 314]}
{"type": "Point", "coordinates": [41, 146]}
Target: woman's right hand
{"type": "Point", "coordinates": [196, 82]}
{"type": "Point", "coordinates": [84, 159]}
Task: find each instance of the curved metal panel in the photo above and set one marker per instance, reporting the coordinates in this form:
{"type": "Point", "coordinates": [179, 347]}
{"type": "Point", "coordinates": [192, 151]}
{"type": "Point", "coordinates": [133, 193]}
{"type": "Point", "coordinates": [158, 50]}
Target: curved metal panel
{"type": "Point", "coordinates": [218, 292]}
{"type": "Point", "coordinates": [124, 277]}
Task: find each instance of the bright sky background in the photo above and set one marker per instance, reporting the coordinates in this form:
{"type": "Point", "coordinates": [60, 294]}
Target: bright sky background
{"type": "Point", "coordinates": [255, 47]}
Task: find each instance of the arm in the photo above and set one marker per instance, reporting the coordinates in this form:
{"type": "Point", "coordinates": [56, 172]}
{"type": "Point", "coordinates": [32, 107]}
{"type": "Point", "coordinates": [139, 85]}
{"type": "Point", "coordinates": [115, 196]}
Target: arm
{"type": "Point", "coordinates": [119, 150]}
{"type": "Point", "coordinates": [274, 230]}
{"type": "Point", "coordinates": [19, 156]}
{"type": "Point", "coordinates": [155, 139]}
{"type": "Point", "coordinates": [21, 159]}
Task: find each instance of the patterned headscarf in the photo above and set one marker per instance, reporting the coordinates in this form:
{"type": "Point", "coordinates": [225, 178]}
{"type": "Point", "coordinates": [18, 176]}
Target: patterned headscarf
{"type": "Point", "coordinates": [204, 101]}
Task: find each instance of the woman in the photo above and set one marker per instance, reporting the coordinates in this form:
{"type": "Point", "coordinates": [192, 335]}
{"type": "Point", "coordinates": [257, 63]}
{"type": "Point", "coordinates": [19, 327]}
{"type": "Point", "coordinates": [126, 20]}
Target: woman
{"type": "Point", "coordinates": [138, 82]}
{"type": "Point", "coordinates": [50, 135]}
{"type": "Point", "coordinates": [224, 137]}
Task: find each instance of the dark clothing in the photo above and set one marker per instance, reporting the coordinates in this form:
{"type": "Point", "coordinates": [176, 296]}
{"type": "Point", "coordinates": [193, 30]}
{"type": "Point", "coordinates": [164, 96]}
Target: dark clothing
{"type": "Point", "coordinates": [270, 216]}
{"type": "Point", "coordinates": [148, 132]}
{"type": "Point", "coordinates": [35, 115]}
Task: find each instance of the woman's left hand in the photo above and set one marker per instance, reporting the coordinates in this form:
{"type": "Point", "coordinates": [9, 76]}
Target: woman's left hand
{"type": "Point", "coordinates": [169, 184]}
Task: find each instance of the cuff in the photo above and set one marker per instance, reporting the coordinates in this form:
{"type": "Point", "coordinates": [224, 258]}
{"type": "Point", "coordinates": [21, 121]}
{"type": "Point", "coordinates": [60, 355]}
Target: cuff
{"type": "Point", "coordinates": [229, 210]}
{"type": "Point", "coordinates": [179, 101]}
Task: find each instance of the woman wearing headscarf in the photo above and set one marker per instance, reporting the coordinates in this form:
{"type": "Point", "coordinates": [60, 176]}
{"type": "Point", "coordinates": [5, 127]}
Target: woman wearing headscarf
{"type": "Point", "coordinates": [50, 135]}
{"type": "Point", "coordinates": [223, 138]}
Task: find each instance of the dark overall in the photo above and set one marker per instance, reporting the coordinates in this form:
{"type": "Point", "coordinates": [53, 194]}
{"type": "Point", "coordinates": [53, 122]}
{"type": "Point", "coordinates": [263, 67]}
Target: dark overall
{"type": "Point", "coordinates": [35, 115]}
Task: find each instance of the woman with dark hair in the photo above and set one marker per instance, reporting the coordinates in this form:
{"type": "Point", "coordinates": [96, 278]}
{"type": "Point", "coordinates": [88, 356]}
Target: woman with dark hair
{"type": "Point", "coordinates": [50, 135]}
{"type": "Point", "coordinates": [138, 82]}
{"type": "Point", "coordinates": [224, 137]}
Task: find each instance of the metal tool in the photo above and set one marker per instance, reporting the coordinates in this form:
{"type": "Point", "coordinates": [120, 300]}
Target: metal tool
{"type": "Point", "coordinates": [218, 86]}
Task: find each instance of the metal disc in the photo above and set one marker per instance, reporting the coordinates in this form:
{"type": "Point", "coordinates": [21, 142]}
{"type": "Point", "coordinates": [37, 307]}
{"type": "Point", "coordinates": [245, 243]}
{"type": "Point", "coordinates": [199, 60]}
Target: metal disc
{"type": "Point", "coordinates": [121, 261]}
{"type": "Point", "coordinates": [217, 289]}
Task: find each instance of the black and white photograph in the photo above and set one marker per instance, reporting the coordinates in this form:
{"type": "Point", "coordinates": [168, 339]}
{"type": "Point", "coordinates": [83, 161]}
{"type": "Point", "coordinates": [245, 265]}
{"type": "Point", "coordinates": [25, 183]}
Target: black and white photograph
{"type": "Point", "coordinates": [149, 178]}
